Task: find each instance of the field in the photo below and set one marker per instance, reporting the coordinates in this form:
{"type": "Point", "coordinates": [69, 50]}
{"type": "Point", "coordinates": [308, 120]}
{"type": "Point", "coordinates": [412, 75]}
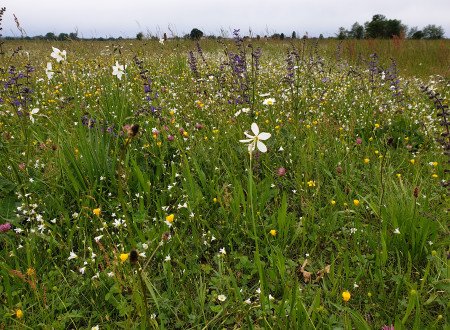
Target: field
{"type": "Point", "coordinates": [224, 184]}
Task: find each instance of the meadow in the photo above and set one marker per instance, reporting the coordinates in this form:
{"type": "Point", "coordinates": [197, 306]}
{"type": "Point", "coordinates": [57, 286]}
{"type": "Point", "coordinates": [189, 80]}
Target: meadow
{"type": "Point", "coordinates": [224, 184]}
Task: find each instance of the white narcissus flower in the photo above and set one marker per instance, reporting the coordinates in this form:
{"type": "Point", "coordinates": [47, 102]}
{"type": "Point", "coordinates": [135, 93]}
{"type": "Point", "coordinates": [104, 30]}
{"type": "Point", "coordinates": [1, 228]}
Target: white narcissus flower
{"type": "Point", "coordinates": [33, 112]}
{"type": "Point", "coordinates": [119, 70]}
{"type": "Point", "coordinates": [48, 71]}
{"type": "Point", "coordinates": [255, 140]}
{"type": "Point", "coordinates": [58, 55]}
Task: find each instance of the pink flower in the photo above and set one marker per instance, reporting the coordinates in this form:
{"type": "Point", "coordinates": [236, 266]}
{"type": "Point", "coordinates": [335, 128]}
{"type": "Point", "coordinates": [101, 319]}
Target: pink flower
{"type": "Point", "coordinates": [387, 327]}
{"type": "Point", "coordinates": [408, 146]}
{"type": "Point", "coordinates": [281, 171]}
{"type": "Point", "coordinates": [22, 166]}
{"type": "Point", "coordinates": [199, 126]}
{"type": "Point", "coordinates": [5, 227]}
{"type": "Point", "coordinates": [170, 137]}
{"type": "Point", "coordinates": [358, 141]}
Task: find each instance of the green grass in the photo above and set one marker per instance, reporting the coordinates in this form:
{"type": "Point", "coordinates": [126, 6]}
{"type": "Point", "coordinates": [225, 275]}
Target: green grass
{"type": "Point", "coordinates": [345, 211]}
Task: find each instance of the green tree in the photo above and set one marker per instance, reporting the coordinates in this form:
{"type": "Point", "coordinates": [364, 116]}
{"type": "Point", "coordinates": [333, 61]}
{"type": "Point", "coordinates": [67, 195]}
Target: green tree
{"type": "Point", "coordinates": [342, 33]}
{"type": "Point", "coordinates": [282, 36]}
{"type": "Point", "coordinates": [380, 27]}
{"type": "Point", "coordinates": [50, 36]}
{"type": "Point", "coordinates": [63, 36]}
{"type": "Point", "coordinates": [294, 35]}
{"type": "Point", "coordinates": [357, 31]}
{"type": "Point", "coordinates": [140, 36]}
{"type": "Point", "coordinates": [196, 34]}
{"type": "Point", "coordinates": [433, 32]}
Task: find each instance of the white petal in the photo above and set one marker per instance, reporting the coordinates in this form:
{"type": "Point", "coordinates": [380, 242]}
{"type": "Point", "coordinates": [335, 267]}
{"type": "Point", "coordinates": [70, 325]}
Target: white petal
{"type": "Point", "coordinates": [255, 129]}
{"type": "Point", "coordinates": [250, 147]}
{"type": "Point", "coordinates": [246, 141]}
{"type": "Point", "coordinates": [261, 146]}
{"type": "Point", "coordinates": [264, 136]}
{"type": "Point", "coordinates": [248, 135]}
{"type": "Point", "coordinates": [34, 111]}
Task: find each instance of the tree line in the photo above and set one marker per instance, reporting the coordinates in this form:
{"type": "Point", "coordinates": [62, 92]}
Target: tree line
{"type": "Point", "coordinates": [383, 28]}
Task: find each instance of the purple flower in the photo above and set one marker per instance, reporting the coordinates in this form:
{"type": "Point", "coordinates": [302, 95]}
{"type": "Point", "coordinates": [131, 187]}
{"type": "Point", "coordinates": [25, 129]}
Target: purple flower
{"type": "Point", "coordinates": [5, 227]}
{"type": "Point", "coordinates": [199, 126]}
{"type": "Point", "coordinates": [170, 137]}
{"type": "Point", "coordinates": [387, 327]}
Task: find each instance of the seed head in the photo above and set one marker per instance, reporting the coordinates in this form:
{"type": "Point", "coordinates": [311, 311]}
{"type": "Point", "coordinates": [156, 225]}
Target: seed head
{"type": "Point", "coordinates": [416, 192]}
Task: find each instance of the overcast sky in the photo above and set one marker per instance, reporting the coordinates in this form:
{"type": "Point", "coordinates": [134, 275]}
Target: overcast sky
{"type": "Point", "coordinates": [104, 18]}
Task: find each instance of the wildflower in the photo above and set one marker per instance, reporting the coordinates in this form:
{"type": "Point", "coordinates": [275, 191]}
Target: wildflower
{"type": "Point", "coordinates": [333, 202]}
{"type": "Point", "coordinates": [356, 202]}
{"type": "Point", "coordinates": [33, 112]}
{"type": "Point", "coordinates": [72, 255]}
{"type": "Point", "coordinates": [82, 270]}
{"type": "Point", "coordinates": [255, 140]}
{"type": "Point", "coordinates": [161, 41]}
{"type": "Point", "coordinates": [346, 295]}
{"type": "Point", "coordinates": [169, 220]}
{"type": "Point", "coordinates": [223, 251]}
{"type": "Point", "coordinates": [5, 227]}
{"type": "Point", "coordinates": [387, 327]}
{"type": "Point", "coordinates": [167, 258]}
{"type": "Point", "coordinates": [124, 256]}
{"type": "Point", "coordinates": [269, 101]}
{"type": "Point", "coordinates": [222, 297]}
{"type": "Point", "coordinates": [281, 171]}
{"type": "Point", "coordinates": [19, 314]}
{"type": "Point", "coordinates": [396, 231]}
{"type": "Point", "coordinates": [48, 71]}
{"type": "Point", "coordinates": [273, 232]}
{"type": "Point", "coordinates": [58, 55]}
{"type": "Point", "coordinates": [96, 212]}
{"type": "Point", "coordinates": [366, 160]}
{"type": "Point", "coordinates": [248, 301]}
{"type": "Point", "coordinates": [271, 297]}
{"type": "Point", "coordinates": [118, 70]}
{"type": "Point", "coordinates": [311, 183]}
{"type": "Point", "coordinates": [95, 328]}
{"type": "Point", "coordinates": [412, 161]}
{"type": "Point", "coordinates": [358, 141]}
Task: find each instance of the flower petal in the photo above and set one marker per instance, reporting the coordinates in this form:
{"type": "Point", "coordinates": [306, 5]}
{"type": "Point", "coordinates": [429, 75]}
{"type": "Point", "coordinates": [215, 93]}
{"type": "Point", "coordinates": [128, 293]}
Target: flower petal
{"type": "Point", "coordinates": [261, 146]}
{"type": "Point", "coordinates": [264, 136]}
{"type": "Point", "coordinates": [248, 135]}
{"type": "Point", "coordinates": [255, 129]}
{"type": "Point", "coordinates": [246, 141]}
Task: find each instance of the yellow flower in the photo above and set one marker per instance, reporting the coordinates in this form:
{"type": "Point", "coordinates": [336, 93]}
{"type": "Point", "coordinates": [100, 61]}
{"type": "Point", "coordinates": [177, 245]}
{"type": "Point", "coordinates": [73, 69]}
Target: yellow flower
{"type": "Point", "coordinates": [412, 161]}
{"type": "Point", "coordinates": [333, 202]}
{"type": "Point", "coordinates": [366, 160]}
{"type": "Point", "coordinates": [346, 295]}
{"type": "Point", "coordinates": [96, 212]}
{"type": "Point", "coordinates": [356, 202]}
{"type": "Point", "coordinates": [371, 139]}
{"type": "Point", "coordinates": [435, 175]}
{"type": "Point", "coordinates": [169, 218]}
{"type": "Point", "coordinates": [377, 125]}
{"type": "Point", "coordinates": [214, 200]}
{"type": "Point", "coordinates": [311, 183]}
{"type": "Point", "coordinates": [124, 256]}
{"type": "Point", "coordinates": [273, 232]}
{"type": "Point", "coordinates": [158, 144]}
{"type": "Point", "coordinates": [19, 314]}
{"type": "Point", "coordinates": [399, 175]}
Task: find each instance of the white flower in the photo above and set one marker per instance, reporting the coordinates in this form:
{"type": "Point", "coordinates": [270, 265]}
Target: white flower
{"type": "Point", "coordinates": [118, 70]}
{"type": "Point", "coordinates": [222, 297]}
{"type": "Point", "coordinates": [98, 238]}
{"type": "Point", "coordinates": [258, 291]}
{"type": "Point", "coordinates": [248, 301]}
{"type": "Point", "coordinates": [255, 140]}
{"type": "Point", "coordinates": [161, 41]}
{"type": "Point", "coordinates": [145, 246]}
{"type": "Point", "coordinates": [58, 55]}
{"type": "Point", "coordinates": [33, 112]}
{"type": "Point", "coordinates": [82, 270]}
{"type": "Point", "coordinates": [270, 297]}
{"type": "Point", "coordinates": [95, 328]}
{"type": "Point", "coordinates": [72, 255]}
{"type": "Point", "coordinates": [355, 285]}
{"type": "Point", "coordinates": [222, 251]}
{"type": "Point", "coordinates": [167, 258]}
{"type": "Point", "coordinates": [269, 101]}
{"type": "Point", "coordinates": [396, 231]}
{"type": "Point", "coordinates": [48, 71]}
